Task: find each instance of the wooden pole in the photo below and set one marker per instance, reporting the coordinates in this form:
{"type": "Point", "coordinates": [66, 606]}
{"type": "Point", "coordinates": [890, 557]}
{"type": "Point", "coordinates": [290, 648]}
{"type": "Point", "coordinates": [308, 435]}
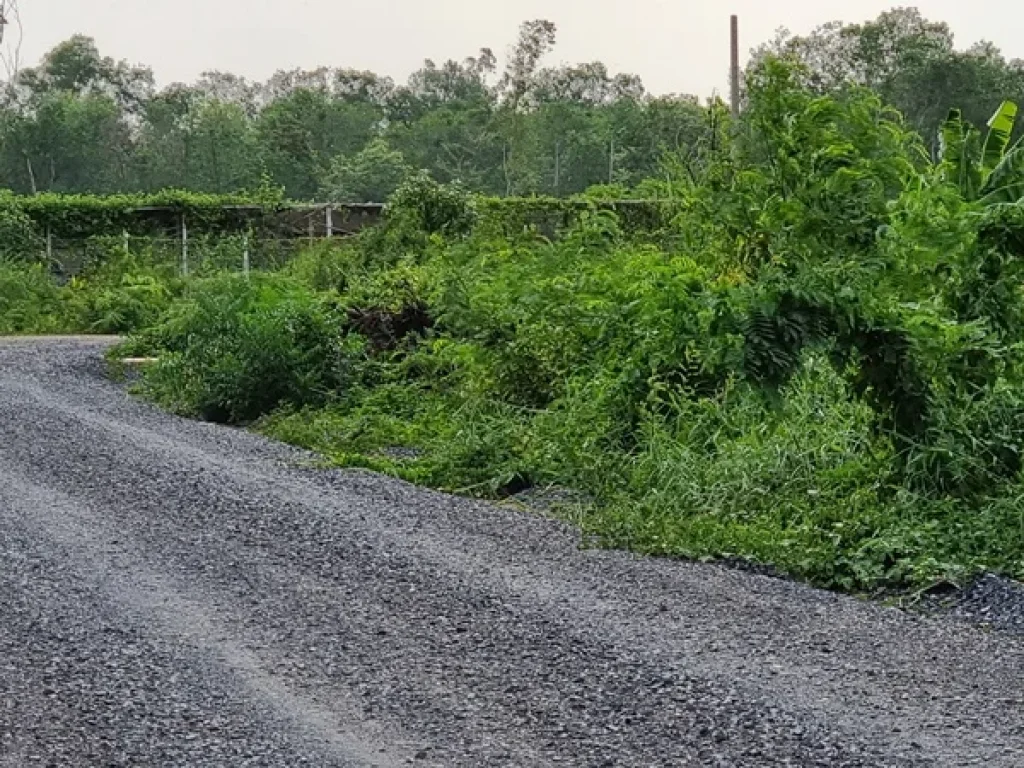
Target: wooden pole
{"type": "Point", "coordinates": [734, 72]}
{"type": "Point", "coordinates": [49, 246]}
{"type": "Point", "coordinates": [330, 220]}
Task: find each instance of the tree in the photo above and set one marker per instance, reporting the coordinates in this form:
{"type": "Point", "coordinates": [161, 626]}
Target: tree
{"type": "Point", "coordinates": [870, 54]}
{"type": "Point", "coordinates": [165, 147]}
{"type": "Point", "coordinates": [302, 133]}
{"type": "Point", "coordinates": [228, 88]}
{"type": "Point", "coordinates": [12, 35]}
{"type": "Point", "coordinates": [910, 62]}
{"type": "Point", "coordinates": [444, 121]}
{"type": "Point", "coordinates": [66, 127]}
{"type": "Point", "coordinates": [665, 126]}
{"type": "Point", "coordinates": [81, 121]}
{"type": "Point", "coordinates": [66, 144]}
{"type": "Point", "coordinates": [587, 84]}
{"type": "Point", "coordinates": [225, 152]}
{"type": "Point", "coordinates": [371, 176]}
{"type": "Point", "coordinates": [536, 39]}
{"type": "Point", "coordinates": [76, 67]}
{"type": "Point", "coordinates": [353, 85]}
{"type": "Point", "coordinates": [456, 85]}
{"type": "Point", "coordinates": [992, 172]}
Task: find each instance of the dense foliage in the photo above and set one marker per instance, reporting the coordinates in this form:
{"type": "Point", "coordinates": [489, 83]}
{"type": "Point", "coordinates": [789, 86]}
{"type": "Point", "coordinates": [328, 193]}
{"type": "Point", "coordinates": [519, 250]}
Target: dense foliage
{"type": "Point", "coordinates": [911, 63]}
{"type": "Point", "coordinates": [118, 293]}
{"type": "Point", "coordinates": [25, 220]}
{"type": "Point", "coordinates": [813, 361]}
{"type": "Point", "coordinates": [81, 122]}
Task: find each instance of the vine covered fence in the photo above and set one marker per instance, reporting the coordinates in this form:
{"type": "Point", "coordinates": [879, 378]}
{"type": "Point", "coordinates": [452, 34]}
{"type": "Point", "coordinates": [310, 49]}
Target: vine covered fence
{"type": "Point", "coordinates": [190, 230]}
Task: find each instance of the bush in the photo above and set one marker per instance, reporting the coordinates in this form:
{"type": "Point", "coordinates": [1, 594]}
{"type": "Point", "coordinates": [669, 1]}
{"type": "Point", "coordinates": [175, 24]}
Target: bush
{"type": "Point", "coordinates": [30, 300]}
{"type": "Point", "coordinates": [236, 349]}
{"type": "Point", "coordinates": [19, 237]}
{"type": "Point", "coordinates": [132, 303]}
{"type": "Point", "coordinates": [422, 205]}
{"type": "Point", "coordinates": [118, 294]}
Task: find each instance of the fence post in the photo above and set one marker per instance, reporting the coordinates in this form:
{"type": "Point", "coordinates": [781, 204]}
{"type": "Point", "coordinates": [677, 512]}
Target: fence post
{"type": "Point", "coordinates": [127, 242]}
{"type": "Point", "coordinates": [184, 246]}
{"type": "Point", "coordinates": [246, 265]}
{"type": "Point", "coordinates": [49, 245]}
{"type": "Point", "coordinates": [312, 229]}
{"type": "Point", "coordinates": [330, 220]}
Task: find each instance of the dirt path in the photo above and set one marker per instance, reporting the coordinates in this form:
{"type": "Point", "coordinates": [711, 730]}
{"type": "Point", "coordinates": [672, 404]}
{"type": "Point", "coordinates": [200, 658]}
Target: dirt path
{"type": "Point", "coordinates": [178, 594]}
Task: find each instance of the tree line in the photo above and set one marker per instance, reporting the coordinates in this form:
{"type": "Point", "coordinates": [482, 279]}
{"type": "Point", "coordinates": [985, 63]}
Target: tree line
{"type": "Point", "coordinates": [83, 122]}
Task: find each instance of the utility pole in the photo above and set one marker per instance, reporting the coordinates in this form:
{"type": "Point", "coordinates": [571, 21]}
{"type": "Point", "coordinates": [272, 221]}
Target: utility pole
{"type": "Point", "coordinates": [734, 73]}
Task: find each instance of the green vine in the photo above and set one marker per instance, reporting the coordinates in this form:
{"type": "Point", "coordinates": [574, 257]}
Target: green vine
{"type": "Point", "coordinates": [75, 216]}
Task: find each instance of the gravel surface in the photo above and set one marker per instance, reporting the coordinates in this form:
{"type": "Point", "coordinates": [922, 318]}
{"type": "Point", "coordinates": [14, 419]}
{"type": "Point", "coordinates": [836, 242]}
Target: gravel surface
{"type": "Point", "coordinates": [178, 594]}
{"type": "Point", "coordinates": [993, 602]}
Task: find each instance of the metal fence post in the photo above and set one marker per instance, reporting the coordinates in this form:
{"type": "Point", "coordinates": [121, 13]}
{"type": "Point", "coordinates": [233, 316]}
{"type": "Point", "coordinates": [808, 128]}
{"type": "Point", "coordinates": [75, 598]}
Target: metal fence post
{"type": "Point", "coordinates": [245, 255]}
{"type": "Point", "coordinates": [184, 246]}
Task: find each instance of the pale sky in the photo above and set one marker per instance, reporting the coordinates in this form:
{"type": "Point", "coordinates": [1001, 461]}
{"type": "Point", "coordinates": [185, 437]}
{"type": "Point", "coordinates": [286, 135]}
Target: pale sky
{"type": "Point", "coordinates": [676, 46]}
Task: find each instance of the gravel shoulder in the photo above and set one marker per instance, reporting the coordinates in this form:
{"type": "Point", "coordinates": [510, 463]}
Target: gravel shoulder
{"type": "Point", "coordinates": [179, 594]}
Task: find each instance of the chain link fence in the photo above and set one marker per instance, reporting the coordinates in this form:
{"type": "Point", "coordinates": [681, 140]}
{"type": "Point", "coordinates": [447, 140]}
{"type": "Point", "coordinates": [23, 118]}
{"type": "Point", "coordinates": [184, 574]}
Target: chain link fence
{"type": "Point", "coordinates": [171, 246]}
{"type": "Point", "coordinates": [201, 255]}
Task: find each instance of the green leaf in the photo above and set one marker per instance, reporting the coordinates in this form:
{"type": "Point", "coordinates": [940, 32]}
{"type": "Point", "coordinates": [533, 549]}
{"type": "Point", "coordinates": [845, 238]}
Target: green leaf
{"type": "Point", "coordinates": [958, 166]}
{"type": "Point", "coordinates": [1006, 183]}
{"type": "Point", "coordinates": [1000, 130]}
{"type": "Point", "coordinates": [951, 138]}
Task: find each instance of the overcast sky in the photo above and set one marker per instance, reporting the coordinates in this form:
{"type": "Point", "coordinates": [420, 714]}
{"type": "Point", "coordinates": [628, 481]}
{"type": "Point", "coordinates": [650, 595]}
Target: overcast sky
{"type": "Point", "coordinates": [675, 45]}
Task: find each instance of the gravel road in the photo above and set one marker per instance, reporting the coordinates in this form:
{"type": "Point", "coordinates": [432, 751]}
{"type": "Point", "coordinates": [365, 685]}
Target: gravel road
{"type": "Point", "coordinates": [179, 594]}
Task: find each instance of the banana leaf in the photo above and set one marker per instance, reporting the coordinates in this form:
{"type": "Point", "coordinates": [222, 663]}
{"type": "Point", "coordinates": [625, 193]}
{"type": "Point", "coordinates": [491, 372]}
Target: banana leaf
{"type": "Point", "coordinates": [958, 165]}
{"type": "Point", "coordinates": [999, 134]}
{"type": "Point", "coordinates": [1006, 182]}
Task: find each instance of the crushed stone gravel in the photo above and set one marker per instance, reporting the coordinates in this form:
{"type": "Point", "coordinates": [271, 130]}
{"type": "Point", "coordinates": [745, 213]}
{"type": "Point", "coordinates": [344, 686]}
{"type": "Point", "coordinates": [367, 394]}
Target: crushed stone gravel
{"type": "Point", "coordinates": [179, 594]}
{"type": "Point", "coordinates": [993, 602]}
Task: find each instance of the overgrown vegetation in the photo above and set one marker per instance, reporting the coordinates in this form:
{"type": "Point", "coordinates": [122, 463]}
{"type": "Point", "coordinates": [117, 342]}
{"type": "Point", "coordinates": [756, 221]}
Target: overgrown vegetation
{"type": "Point", "coordinates": [812, 361]}
{"type": "Point", "coordinates": [118, 293]}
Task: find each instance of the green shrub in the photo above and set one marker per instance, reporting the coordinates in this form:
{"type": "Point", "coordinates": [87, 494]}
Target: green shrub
{"type": "Point", "coordinates": [325, 267]}
{"type": "Point", "coordinates": [19, 237]}
{"type": "Point", "coordinates": [420, 204]}
{"type": "Point", "coordinates": [132, 303]}
{"type": "Point", "coordinates": [235, 349]}
{"type": "Point", "coordinates": [30, 300]}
